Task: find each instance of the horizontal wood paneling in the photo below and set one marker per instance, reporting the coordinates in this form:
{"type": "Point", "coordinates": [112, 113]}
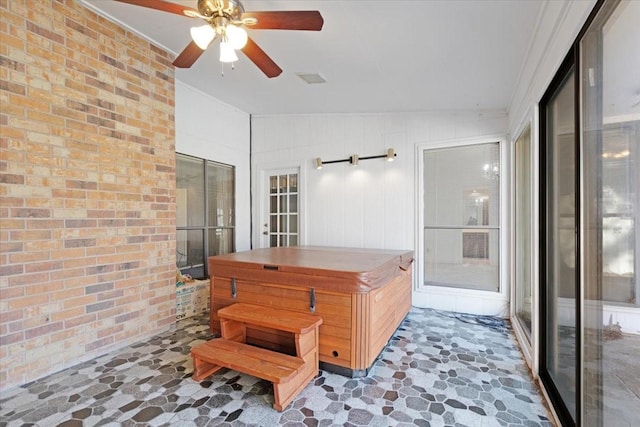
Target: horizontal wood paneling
{"type": "Point", "coordinates": [356, 326]}
{"type": "Point", "coordinates": [334, 308]}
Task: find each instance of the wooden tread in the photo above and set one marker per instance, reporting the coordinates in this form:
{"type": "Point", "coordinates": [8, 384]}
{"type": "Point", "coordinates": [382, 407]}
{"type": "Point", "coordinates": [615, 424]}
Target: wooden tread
{"type": "Point", "coordinates": [274, 318]}
{"type": "Point", "coordinates": [258, 362]}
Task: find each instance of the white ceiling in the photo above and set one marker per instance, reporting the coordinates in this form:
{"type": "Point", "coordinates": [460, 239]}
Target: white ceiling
{"type": "Point", "coordinates": [377, 56]}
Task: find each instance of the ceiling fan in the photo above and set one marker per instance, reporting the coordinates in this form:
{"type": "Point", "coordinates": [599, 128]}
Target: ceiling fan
{"type": "Point", "coordinates": [225, 20]}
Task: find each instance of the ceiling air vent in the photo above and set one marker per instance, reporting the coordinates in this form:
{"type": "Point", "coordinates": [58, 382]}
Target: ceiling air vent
{"type": "Point", "coordinates": [311, 78]}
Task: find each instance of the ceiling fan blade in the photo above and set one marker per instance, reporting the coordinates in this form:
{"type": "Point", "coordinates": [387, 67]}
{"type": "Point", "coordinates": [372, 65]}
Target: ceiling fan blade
{"type": "Point", "coordinates": [261, 59]}
{"type": "Point", "coordinates": [164, 6]}
{"type": "Point", "coordinates": [188, 56]}
{"type": "Point", "coordinates": [309, 20]}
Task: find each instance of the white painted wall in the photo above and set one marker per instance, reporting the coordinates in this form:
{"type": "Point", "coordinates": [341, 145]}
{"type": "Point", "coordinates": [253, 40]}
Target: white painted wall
{"type": "Point", "coordinates": [558, 25]}
{"type": "Point", "coordinates": [373, 205]}
{"type": "Point", "coordinates": [210, 129]}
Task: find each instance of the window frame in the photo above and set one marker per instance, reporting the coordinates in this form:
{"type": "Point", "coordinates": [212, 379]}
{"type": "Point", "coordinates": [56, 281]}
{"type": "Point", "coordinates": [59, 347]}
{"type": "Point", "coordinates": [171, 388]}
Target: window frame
{"type": "Point", "coordinates": [205, 228]}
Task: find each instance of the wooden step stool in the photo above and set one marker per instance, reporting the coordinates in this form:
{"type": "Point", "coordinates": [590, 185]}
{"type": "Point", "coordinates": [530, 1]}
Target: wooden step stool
{"type": "Point", "coordinates": [289, 374]}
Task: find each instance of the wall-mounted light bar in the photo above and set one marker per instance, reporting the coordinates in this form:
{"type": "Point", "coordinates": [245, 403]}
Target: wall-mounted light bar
{"type": "Point", "coordinates": [354, 159]}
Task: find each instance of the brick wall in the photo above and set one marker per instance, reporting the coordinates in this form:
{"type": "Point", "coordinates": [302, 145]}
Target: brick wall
{"type": "Point", "coordinates": [87, 175]}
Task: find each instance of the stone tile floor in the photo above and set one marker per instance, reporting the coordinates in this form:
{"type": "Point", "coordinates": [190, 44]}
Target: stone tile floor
{"type": "Point", "coordinates": [439, 369]}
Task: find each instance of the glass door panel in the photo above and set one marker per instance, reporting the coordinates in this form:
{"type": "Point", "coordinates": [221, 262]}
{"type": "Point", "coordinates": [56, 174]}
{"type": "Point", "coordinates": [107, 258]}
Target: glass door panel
{"type": "Point", "coordinates": [523, 243]}
{"type": "Point", "coordinates": [560, 279]}
{"type": "Point", "coordinates": [462, 217]}
{"type": "Point", "coordinates": [610, 60]}
{"type": "Point", "coordinates": [589, 271]}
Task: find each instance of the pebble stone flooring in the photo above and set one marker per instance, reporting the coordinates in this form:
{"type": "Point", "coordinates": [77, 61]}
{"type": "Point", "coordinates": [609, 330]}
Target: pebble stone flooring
{"type": "Point", "coordinates": [439, 369]}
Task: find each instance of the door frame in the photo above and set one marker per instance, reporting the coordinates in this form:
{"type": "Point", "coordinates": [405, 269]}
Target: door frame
{"type": "Point", "coordinates": [530, 347]}
{"type": "Point", "coordinates": [260, 189]}
{"type": "Point", "coordinates": [561, 408]}
{"type": "Point", "coordinates": [457, 299]}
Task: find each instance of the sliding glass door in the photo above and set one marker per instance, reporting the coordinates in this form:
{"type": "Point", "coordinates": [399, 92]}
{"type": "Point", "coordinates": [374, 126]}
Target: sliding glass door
{"type": "Point", "coordinates": [590, 194]}
{"type": "Point", "coordinates": [609, 59]}
{"type": "Point", "coordinates": [560, 262]}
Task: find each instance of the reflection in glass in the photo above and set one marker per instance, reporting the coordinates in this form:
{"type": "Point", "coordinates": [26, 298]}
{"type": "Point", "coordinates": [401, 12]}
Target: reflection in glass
{"type": "Point", "coordinates": [460, 259]}
{"type": "Point", "coordinates": [618, 201]}
{"type": "Point", "coordinates": [189, 192]}
{"type": "Point", "coordinates": [611, 175]}
{"type": "Point", "coordinates": [220, 194]}
{"type": "Point", "coordinates": [220, 241]}
{"type": "Point", "coordinates": [190, 252]}
{"type": "Point", "coordinates": [560, 280]}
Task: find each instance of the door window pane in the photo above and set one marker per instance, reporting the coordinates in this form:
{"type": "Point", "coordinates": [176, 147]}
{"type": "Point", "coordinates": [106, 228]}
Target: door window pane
{"type": "Point", "coordinates": [462, 217]}
{"type": "Point", "coordinates": [293, 183]}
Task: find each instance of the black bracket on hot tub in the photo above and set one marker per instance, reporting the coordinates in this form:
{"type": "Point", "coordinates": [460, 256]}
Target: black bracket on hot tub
{"type": "Point", "coordinates": [234, 290]}
{"type": "Point", "coordinates": [312, 301]}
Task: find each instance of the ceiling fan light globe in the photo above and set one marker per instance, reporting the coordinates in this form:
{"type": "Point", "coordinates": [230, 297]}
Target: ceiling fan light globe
{"type": "Point", "coordinates": [227, 53]}
{"type": "Point", "coordinates": [237, 36]}
{"type": "Point", "coordinates": [203, 36]}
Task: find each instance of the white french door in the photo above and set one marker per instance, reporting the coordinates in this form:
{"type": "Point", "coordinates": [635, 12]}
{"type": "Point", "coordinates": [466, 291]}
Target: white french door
{"type": "Point", "coordinates": [280, 208]}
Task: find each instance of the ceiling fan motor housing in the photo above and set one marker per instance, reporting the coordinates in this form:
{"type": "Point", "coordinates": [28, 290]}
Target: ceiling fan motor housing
{"type": "Point", "coordinates": [230, 9]}
{"type": "Point", "coordinates": [227, 15]}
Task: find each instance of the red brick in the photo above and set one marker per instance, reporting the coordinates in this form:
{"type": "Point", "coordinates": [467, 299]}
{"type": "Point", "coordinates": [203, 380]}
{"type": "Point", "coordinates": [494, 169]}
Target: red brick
{"type": "Point", "coordinates": [43, 330]}
{"type": "Point", "coordinates": [30, 301]}
{"type": "Point", "coordinates": [74, 175]}
{"type": "Point", "coordinates": [28, 256]}
{"type": "Point", "coordinates": [43, 266]}
{"type": "Point", "coordinates": [79, 321]}
{"type": "Point", "coordinates": [8, 293]}
{"type": "Point", "coordinates": [104, 342]}
{"type": "Point", "coordinates": [14, 338]}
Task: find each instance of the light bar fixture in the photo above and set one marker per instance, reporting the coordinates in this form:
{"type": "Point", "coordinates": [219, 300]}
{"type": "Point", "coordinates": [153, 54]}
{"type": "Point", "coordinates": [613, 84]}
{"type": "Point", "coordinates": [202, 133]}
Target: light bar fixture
{"type": "Point", "coordinates": [354, 159]}
{"type": "Point", "coordinates": [390, 155]}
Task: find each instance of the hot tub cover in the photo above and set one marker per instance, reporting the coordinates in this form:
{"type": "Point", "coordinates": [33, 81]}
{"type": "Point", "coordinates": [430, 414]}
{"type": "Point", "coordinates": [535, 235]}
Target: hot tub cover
{"type": "Point", "coordinates": [333, 268]}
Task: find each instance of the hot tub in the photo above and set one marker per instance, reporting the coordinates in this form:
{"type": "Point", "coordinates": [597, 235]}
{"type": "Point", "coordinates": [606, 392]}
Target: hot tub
{"type": "Point", "coordinates": [361, 294]}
